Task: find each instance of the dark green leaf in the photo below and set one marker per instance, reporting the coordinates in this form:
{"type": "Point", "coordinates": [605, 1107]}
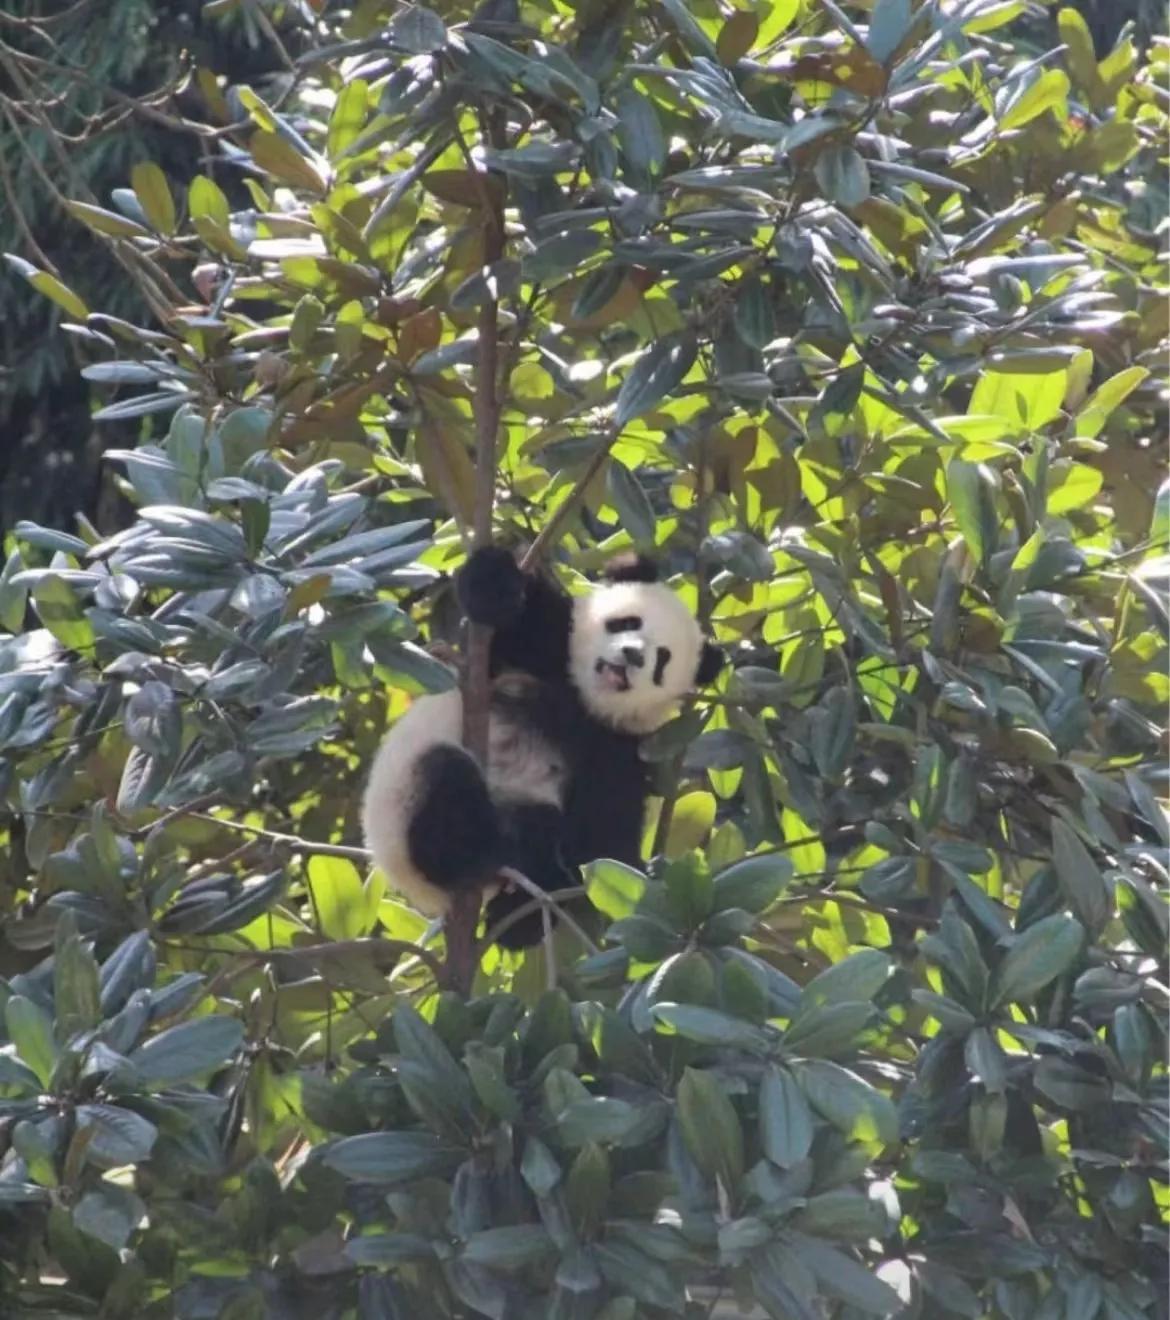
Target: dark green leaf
{"type": "Point", "coordinates": [657, 373]}
{"type": "Point", "coordinates": [1037, 956]}
{"type": "Point", "coordinates": [786, 1124]}
{"type": "Point", "coordinates": [187, 1050]}
{"type": "Point", "coordinates": [390, 1158]}
{"type": "Point", "coordinates": [710, 1127]}
{"type": "Point", "coordinates": [1081, 878]}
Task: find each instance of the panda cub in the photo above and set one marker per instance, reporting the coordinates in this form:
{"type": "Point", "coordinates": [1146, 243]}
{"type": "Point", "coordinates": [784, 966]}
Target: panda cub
{"type": "Point", "coordinates": [577, 682]}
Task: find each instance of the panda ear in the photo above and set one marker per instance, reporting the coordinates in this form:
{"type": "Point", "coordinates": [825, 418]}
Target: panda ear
{"type": "Point", "coordinates": [711, 661]}
{"type": "Point", "coordinates": [631, 568]}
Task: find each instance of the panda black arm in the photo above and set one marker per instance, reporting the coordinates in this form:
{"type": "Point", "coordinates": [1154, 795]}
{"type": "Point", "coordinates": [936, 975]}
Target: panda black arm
{"type": "Point", "coordinates": [530, 616]}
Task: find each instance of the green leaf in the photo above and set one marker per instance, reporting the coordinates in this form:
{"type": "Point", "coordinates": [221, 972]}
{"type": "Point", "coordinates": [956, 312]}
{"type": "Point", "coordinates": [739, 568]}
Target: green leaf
{"type": "Point", "coordinates": [1069, 1085]}
{"type": "Point", "coordinates": [381, 1250]}
{"type": "Point", "coordinates": [75, 983]}
{"type": "Point", "coordinates": [833, 731]}
{"type": "Point", "coordinates": [888, 25]}
{"type": "Point", "coordinates": [658, 372]}
{"type": "Point", "coordinates": [843, 175]}
{"type": "Point", "coordinates": [710, 1027]}
{"type": "Point", "coordinates": [859, 1110]}
{"type": "Point", "coordinates": [985, 1059]}
{"type": "Point", "coordinates": [339, 898]}
{"type": "Point", "coordinates": [858, 977]}
{"type": "Point", "coordinates": [539, 1167]}
{"type": "Point", "coordinates": [509, 1248]}
{"type": "Point", "coordinates": [418, 31]}
{"type": "Point", "coordinates": [753, 884]}
{"type": "Point", "coordinates": [843, 1213]}
{"type": "Point", "coordinates": [629, 499]}
{"type": "Point", "coordinates": [118, 1136]}
{"type": "Point", "coordinates": [710, 1127]}
{"type": "Point", "coordinates": [598, 1118]}
{"type": "Point", "coordinates": [950, 1014]}
{"type": "Point", "coordinates": [50, 286]}
{"type": "Point", "coordinates": [613, 887]}
{"type": "Point", "coordinates": [1109, 396]}
{"type": "Point", "coordinates": [827, 1029]}
{"type": "Point", "coordinates": [786, 1123]}
{"type": "Point", "coordinates": [971, 492]}
{"type": "Point", "coordinates": [587, 1189]}
{"type": "Point", "coordinates": [205, 198]}
{"type": "Point", "coordinates": [154, 196]}
{"type": "Point", "coordinates": [188, 1050]}
{"type": "Point", "coordinates": [843, 1277]}
{"type": "Point", "coordinates": [755, 319]}
{"type": "Point", "coordinates": [737, 36]}
{"type": "Point", "coordinates": [1037, 956]}
{"type": "Point", "coordinates": [109, 1213]}
{"type": "Point", "coordinates": [108, 223]}
{"type": "Point", "coordinates": [30, 1029]}
{"type": "Point", "coordinates": [390, 1158]}
{"type": "Point", "coordinates": [640, 132]}
{"type": "Point", "coordinates": [60, 611]}
{"type": "Point", "coordinates": [1081, 879]}
{"type": "Point", "coordinates": [1048, 91]}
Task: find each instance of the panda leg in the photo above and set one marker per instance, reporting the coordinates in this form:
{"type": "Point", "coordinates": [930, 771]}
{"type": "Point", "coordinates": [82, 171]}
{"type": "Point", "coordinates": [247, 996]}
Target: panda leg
{"type": "Point", "coordinates": [454, 835]}
{"type": "Point", "coordinates": [533, 836]}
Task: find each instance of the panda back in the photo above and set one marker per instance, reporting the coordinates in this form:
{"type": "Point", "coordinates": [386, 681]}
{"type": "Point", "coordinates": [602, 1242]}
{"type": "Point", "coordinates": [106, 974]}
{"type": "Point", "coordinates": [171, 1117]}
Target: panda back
{"type": "Point", "coordinates": [392, 792]}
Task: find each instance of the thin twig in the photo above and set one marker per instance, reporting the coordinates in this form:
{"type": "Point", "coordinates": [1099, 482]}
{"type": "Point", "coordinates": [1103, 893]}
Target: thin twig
{"type": "Point", "coordinates": [290, 841]}
{"type": "Point", "coordinates": [379, 946]}
{"type": "Point", "coordinates": [548, 903]}
{"type": "Point", "coordinates": [556, 898]}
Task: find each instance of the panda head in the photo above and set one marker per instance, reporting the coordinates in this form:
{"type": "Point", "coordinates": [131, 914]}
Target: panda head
{"type": "Point", "coordinates": [635, 649]}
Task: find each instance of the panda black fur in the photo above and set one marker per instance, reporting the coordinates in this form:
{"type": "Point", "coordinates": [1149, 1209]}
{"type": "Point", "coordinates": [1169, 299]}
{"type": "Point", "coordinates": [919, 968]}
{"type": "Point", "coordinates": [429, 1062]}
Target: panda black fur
{"type": "Point", "coordinates": [577, 682]}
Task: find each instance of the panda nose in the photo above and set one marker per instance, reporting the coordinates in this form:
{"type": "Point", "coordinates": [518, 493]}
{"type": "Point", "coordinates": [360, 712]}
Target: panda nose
{"type": "Point", "coordinates": [633, 655]}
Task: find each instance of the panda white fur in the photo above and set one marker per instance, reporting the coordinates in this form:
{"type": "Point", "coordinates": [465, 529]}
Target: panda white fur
{"type": "Point", "coordinates": [525, 768]}
{"type": "Point", "coordinates": [577, 682]}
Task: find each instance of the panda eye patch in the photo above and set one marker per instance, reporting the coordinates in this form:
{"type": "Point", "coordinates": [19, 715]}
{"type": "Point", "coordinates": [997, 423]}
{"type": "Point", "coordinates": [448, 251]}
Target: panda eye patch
{"type": "Point", "coordinates": [626, 623]}
{"type": "Point", "coordinates": [660, 664]}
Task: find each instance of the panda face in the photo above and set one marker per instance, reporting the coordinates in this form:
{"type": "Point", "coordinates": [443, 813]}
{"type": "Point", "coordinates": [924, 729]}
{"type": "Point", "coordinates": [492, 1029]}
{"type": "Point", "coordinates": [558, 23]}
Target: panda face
{"type": "Point", "coordinates": [634, 652]}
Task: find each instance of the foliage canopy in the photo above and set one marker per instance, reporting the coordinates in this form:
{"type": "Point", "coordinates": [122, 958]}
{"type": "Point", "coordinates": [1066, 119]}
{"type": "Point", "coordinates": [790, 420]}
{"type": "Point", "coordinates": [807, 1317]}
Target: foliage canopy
{"type": "Point", "coordinates": [854, 314]}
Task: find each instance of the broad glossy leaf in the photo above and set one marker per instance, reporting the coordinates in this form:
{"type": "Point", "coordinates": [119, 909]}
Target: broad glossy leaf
{"type": "Point", "coordinates": [418, 30]}
{"type": "Point", "coordinates": [858, 978]}
{"type": "Point", "coordinates": [1037, 956]}
{"type": "Point", "coordinates": [753, 884]}
{"type": "Point", "coordinates": [509, 1248]}
{"type": "Point", "coordinates": [613, 887]}
{"type": "Point", "coordinates": [786, 1122]}
{"type": "Point", "coordinates": [657, 373]}
{"type": "Point", "coordinates": [859, 1110]}
{"type": "Point", "coordinates": [154, 196]}
{"type": "Point", "coordinates": [390, 1158]}
{"type": "Point", "coordinates": [640, 132]}
{"type": "Point", "coordinates": [843, 175]}
{"type": "Point", "coordinates": [843, 1277]}
{"type": "Point", "coordinates": [708, 1026]}
{"type": "Point", "coordinates": [30, 1029]}
{"type": "Point", "coordinates": [1080, 878]}
{"type": "Point", "coordinates": [117, 1136]}
{"type": "Point", "coordinates": [710, 1127]}
{"type": "Point", "coordinates": [60, 611]}
{"type": "Point", "coordinates": [188, 1050]}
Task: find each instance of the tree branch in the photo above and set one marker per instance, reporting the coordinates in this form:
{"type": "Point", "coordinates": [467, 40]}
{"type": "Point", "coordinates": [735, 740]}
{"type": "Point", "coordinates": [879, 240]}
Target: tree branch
{"type": "Point", "coordinates": [462, 959]}
{"type": "Point", "coordinates": [552, 529]}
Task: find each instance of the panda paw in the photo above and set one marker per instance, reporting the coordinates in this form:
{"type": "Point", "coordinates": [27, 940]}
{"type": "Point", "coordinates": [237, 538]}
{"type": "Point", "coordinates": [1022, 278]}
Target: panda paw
{"type": "Point", "coordinates": [490, 587]}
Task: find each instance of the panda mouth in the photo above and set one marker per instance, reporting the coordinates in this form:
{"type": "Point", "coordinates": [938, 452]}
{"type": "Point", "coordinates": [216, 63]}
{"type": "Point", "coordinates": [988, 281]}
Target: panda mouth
{"type": "Point", "coordinates": [614, 677]}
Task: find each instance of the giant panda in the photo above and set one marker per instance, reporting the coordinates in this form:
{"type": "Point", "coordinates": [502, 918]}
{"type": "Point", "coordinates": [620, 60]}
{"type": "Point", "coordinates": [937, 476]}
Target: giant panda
{"type": "Point", "coordinates": [577, 682]}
